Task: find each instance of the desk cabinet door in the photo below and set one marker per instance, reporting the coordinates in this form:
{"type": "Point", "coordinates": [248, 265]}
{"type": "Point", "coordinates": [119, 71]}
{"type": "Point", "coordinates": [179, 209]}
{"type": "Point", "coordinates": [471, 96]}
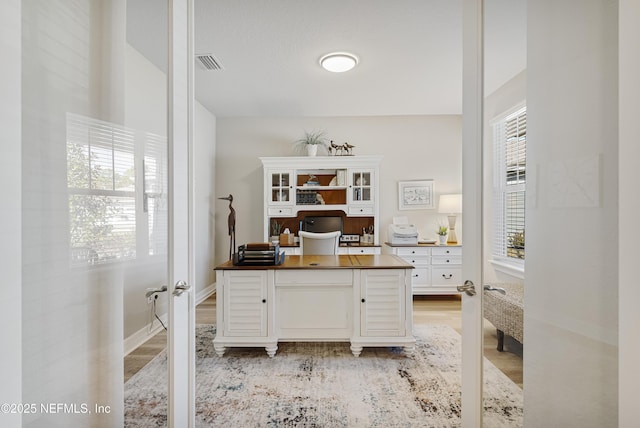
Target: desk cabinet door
{"type": "Point", "coordinates": [245, 303]}
{"type": "Point", "coordinates": [382, 303]}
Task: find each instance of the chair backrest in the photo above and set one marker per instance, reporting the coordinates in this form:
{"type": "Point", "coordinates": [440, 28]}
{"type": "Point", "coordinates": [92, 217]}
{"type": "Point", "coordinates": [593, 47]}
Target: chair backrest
{"type": "Point", "coordinates": [319, 243]}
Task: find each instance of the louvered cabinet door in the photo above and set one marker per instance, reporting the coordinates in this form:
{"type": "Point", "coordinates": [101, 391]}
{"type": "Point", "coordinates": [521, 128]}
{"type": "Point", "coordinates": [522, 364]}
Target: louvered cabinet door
{"type": "Point", "coordinates": [245, 304]}
{"type": "Point", "coordinates": [382, 303]}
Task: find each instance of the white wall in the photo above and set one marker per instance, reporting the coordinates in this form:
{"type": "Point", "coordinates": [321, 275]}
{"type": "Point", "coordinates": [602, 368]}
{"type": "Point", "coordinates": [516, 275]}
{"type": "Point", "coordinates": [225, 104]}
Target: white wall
{"type": "Point", "coordinates": [413, 148]}
{"type": "Point", "coordinates": [10, 211]}
{"type": "Point", "coordinates": [204, 142]}
{"type": "Point", "coordinates": [513, 93]}
{"type": "Point", "coordinates": [145, 107]}
{"type": "Point", "coordinates": [571, 284]}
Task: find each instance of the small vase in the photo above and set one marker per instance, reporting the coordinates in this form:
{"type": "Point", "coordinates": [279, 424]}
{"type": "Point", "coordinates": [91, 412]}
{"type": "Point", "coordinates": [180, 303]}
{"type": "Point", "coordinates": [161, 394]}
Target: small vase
{"type": "Point", "coordinates": [443, 239]}
{"type": "Point", "coordinates": [312, 149]}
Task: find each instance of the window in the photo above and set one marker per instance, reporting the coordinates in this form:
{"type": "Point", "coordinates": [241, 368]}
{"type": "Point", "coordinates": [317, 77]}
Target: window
{"type": "Point", "coordinates": [155, 196]}
{"type": "Point", "coordinates": [510, 150]}
{"type": "Point", "coordinates": [106, 221]}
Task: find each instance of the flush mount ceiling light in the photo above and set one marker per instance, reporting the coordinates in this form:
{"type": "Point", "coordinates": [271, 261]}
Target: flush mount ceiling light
{"type": "Point", "coordinates": [338, 62]}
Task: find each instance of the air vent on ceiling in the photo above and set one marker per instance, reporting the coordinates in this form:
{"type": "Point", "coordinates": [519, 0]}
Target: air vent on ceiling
{"type": "Point", "coordinates": [209, 62]}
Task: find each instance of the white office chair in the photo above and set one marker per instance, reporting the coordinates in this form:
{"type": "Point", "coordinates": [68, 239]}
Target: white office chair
{"type": "Point", "coordinates": [319, 243]}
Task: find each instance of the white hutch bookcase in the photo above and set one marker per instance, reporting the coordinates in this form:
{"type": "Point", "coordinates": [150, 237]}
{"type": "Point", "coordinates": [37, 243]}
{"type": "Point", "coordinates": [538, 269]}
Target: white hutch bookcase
{"type": "Point", "coordinates": [298, 186]}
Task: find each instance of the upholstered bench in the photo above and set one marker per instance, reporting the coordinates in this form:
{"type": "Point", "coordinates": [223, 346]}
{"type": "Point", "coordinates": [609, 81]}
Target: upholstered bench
{"type": "Point", "coordinates": [505, 311]}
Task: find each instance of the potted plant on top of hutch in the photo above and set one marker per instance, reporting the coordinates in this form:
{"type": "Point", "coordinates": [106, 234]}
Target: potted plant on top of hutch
{"type": "Point", "coordinates": [309, 143]}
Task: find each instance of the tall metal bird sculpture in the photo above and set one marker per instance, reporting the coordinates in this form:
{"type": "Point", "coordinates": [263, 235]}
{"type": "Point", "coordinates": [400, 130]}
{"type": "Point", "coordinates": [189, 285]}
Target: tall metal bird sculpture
{"type": "Point", "coordinates": [231, 223]}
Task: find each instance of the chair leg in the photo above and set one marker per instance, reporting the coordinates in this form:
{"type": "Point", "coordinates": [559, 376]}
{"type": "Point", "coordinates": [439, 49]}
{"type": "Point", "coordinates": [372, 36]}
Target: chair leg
{"type": "Point", "coordinates": [500, 340]}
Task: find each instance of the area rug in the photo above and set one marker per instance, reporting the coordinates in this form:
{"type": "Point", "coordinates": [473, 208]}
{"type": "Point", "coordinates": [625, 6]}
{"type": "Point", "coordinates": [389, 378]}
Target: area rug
{"type": "Point", "coordinates": [324, 385]}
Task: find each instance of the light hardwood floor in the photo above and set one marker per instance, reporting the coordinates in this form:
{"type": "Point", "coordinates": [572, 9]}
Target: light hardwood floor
{"type": "Point", "coordinates": [426, 310]}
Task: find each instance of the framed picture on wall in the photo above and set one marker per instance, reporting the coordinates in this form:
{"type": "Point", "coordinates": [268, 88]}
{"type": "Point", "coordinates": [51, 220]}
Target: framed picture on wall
{"type": "Point", "coordinates": [415, 195]}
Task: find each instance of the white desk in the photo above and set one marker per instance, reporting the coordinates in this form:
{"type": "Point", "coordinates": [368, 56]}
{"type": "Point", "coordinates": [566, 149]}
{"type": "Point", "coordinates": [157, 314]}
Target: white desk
{"type": "Point", "coordinates": [362, 299]}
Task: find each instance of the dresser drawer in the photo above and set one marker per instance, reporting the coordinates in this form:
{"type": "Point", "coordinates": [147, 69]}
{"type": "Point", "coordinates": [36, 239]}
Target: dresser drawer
{"type": "Point", "coordinates": [447, 251]}
{"type": "Point", "coordinates": [421, 276]}
{"type": "Point", "coordinates": [413, 251]}
{"type": "Point", "coordinates": [446, 260]}
{"type": "Point", "coordinates": [446, 276]}
{"type": "Point", "coordinates": [417, 260]}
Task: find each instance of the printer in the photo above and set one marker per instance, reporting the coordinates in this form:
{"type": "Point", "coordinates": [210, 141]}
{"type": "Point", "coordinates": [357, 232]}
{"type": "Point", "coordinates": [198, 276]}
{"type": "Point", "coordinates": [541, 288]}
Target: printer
{"type": "Point", "coordinates": [400, 234]}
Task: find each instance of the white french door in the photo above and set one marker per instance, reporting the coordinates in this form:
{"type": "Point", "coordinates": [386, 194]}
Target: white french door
{"type": "Point", "coordinates": [181, 329]}
{"type": "Point", "coordinates": [571, 287]}
{"type": "Point", "coordinates": [86, 259]}
{"type": "Point", "coordinates": [472, 213]}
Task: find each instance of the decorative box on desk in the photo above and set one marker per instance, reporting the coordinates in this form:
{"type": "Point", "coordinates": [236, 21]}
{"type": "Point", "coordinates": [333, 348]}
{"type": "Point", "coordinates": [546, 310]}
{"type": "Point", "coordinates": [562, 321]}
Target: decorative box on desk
{"type": "Point", "coordinates": [438, 268]}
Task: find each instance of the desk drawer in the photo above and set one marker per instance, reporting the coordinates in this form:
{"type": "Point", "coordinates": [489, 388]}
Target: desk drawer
{"type": "Point", "coordinates": [280, 212]}
{"type": "Point", "coordinates": [363, 250]}
{"type": "Point", "coordinates": [314, 277]}
{"type": "Point", "coordinates": [366, 210]}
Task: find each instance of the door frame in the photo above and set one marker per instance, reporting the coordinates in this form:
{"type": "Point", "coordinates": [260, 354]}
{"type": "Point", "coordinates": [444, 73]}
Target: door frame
{"type": "Point", "coordinates": [472, 195]}
{"type": "Point", "coordinates": [11, 211]}
{"type": "Point", "coordinates": [180, 107]}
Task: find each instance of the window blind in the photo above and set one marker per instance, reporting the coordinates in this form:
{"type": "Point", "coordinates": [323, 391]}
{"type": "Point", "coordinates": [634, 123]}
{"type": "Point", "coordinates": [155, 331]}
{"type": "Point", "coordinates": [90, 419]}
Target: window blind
{"type": "Point", "coordinates": [510, 137]}
{"type": "Point", "coordinates": [101, 186]}
{"type": "Point", "coordinates": [155, 196]}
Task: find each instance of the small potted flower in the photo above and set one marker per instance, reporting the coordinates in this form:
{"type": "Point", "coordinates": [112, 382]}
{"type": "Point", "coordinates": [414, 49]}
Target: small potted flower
{"type": "Point", "coordinates": [442, 234]}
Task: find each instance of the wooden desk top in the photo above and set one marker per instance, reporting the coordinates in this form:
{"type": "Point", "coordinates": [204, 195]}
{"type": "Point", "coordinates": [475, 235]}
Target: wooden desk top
{"type": "Point", "coordinates": [363, 261]}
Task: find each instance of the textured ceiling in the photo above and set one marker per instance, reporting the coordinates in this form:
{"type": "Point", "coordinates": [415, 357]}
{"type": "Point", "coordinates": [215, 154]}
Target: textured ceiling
{"type": "Point", "coordinates": [410, 54]}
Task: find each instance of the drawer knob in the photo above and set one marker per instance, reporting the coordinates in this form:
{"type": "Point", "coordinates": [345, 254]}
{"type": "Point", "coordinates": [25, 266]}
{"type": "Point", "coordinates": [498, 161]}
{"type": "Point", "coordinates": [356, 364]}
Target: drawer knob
{"type": "Point", "coordinates": [447, 276]}
{"type": "Point", "coordinates": [416, 275]}
{"type": "Point", "coordinates": [413, 261]}
{"type": "Point", "coordinates": [264, 300]}
{"type": "Point", "coordinates": [362, 300]}
{"type": "Point", "coordinates": [447, 260]}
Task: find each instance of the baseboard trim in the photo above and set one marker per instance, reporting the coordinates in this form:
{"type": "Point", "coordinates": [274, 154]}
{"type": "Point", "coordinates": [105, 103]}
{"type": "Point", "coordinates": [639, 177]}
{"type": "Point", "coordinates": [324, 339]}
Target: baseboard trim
{"type": "Point", "coordinates": [139, 337]}
{"type": "Point", "coordinates": [205, 293]}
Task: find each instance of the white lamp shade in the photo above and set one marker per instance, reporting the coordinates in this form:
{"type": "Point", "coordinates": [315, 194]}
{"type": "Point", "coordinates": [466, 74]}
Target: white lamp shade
{"type": "Point", "coordinates": [450, 204]}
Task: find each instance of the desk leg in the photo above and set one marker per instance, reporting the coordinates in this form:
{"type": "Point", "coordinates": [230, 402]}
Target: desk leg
{"type": "Point", "coordinates": [219, 349]}
{"type": "Point", "coordinates": [271, 350]}
{"type": "Point", "coordinates": [408, 350]}
{"type": "Point", "coordinates": [356, 350]}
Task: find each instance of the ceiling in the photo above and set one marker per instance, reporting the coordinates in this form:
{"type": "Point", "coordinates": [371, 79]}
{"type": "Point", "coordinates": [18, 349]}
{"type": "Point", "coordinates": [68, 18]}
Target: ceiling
{"type": "Point", "coordinates": [410, 54]}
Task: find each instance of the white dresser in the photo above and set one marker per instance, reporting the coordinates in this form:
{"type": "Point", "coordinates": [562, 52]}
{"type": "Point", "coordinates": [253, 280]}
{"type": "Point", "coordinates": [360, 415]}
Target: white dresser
{"type": "Point", "coordinates": [438, 268]}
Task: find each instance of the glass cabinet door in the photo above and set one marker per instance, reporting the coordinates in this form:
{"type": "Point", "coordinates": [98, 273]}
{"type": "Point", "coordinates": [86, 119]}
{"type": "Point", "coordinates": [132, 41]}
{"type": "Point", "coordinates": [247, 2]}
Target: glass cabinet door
{"type": "Point", "coordinates": [361, 186]}
{"type": "Point", "coordinates": [281, 187]}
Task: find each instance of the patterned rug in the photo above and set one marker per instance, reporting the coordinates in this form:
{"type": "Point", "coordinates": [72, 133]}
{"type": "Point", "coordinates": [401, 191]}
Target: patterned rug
{"type": "Point", "coordinates": [324, 385]}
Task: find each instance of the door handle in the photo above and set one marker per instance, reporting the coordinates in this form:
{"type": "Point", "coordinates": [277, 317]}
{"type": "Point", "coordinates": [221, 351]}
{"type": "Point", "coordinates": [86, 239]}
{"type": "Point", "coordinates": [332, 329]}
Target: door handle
{"type": "Point", "coordinates": [181, 287]}
{"type": "Point", "coordinates": [468, 287]}
{"type": "Point", "coordinates": [492, 288]}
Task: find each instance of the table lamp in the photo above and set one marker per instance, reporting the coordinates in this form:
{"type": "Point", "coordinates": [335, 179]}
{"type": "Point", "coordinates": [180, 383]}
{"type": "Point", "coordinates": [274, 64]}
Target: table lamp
{"type": "Point", "coordinates": [451, 205]}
